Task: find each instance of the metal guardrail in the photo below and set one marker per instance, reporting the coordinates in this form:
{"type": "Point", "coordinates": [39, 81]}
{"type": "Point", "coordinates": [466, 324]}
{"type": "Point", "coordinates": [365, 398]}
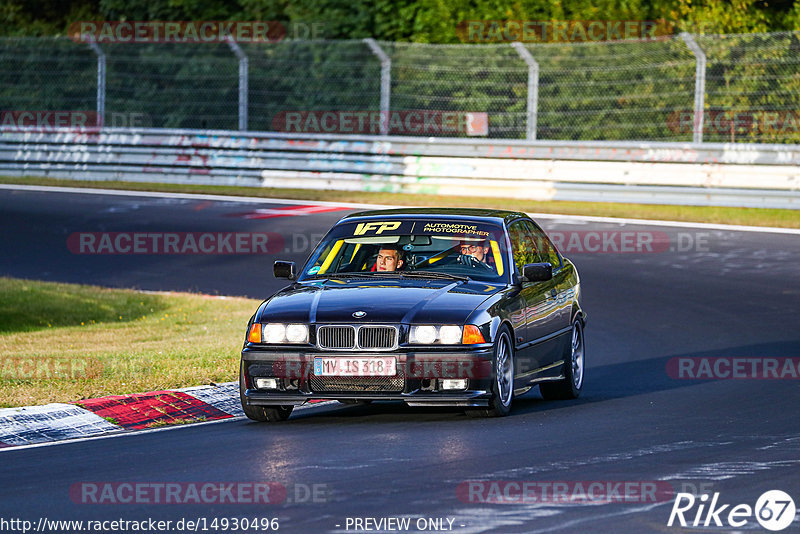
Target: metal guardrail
{"type": "Point", "coordinates": [670, 173]}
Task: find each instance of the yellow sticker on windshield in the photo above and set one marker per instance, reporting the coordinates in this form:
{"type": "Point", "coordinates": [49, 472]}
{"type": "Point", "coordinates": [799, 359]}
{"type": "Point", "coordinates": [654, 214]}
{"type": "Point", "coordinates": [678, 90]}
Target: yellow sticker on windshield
{"type": "Point", "coordinates": [439, 256]}
{"type": "Point", "coordinates": [377, 227]}
{"type": "Point", "coordinates": [498, 258]}
{"type": "Point", "coordinates": [331, 255]}
{"type": "Point", "coordinates": [353, 255]}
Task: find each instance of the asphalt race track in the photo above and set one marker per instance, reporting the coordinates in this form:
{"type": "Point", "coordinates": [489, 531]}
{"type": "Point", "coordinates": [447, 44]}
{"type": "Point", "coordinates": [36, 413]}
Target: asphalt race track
{"type": "Point", "coordinates": [701, 293]}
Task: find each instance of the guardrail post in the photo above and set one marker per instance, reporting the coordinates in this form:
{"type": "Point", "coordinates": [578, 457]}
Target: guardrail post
{"type": "Point", "coordinates": [386, 81]}
{"type": "Point", "coordinates": [101, 81]}
{"type": "Point", "coordinates": [533, 89]}
{"type": "Point", "coordinates": [699, 85]}
{"type": "Point", "coordinates": [243, 69]}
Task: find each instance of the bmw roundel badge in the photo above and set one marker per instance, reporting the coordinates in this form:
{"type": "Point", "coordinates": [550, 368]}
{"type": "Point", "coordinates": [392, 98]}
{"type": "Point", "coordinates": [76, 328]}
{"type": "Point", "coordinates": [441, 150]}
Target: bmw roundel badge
{"type": "Point", "coordinates": [359, 314]}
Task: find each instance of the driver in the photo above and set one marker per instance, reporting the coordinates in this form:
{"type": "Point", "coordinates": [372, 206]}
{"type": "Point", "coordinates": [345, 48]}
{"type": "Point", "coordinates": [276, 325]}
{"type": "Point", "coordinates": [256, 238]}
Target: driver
{"type": "Point", "coordinates": [389, 258]}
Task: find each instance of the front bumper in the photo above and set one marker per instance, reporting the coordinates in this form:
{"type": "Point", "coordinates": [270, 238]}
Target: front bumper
{"type": "Point", "coordinates": [418, 381]}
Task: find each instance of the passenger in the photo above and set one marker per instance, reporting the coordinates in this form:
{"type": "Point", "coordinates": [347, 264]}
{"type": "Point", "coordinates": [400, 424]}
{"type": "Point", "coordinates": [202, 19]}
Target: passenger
{"type": "Point", "coordinates": [390, 258]}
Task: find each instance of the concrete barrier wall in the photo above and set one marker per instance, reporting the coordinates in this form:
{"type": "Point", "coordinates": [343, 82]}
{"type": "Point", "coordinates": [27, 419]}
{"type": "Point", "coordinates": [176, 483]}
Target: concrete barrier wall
{"type": "Point", "coordinates": [668, 173]}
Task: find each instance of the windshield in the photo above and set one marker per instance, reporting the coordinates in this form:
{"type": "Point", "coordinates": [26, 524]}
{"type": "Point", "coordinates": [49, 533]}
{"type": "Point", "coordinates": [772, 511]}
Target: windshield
{"type": "Point", "coordinates": [425, 248]}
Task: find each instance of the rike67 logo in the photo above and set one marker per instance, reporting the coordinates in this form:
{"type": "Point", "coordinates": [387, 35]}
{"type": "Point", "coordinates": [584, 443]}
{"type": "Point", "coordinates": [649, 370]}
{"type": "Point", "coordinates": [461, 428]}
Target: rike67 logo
{"type": "Point", "coordinates": [774, 510]}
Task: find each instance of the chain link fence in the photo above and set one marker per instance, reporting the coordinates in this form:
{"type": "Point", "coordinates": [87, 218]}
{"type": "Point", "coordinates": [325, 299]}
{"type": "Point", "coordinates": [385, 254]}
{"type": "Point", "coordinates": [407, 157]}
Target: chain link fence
{"type": "Point", "coordinates": [728, 88]}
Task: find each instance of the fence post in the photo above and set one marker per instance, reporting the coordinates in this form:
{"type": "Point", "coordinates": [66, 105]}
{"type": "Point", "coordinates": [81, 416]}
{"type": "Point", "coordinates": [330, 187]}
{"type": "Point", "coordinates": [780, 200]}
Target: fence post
{"type": "Point", "coordinates": [699, 85]}
{"type": "Point", "coordinates": [243, 70]}
{"type": "Point", "coordinates": [533, 88]}
{"type": "Point", "coordinates": [386, 81]}
{"type": "Point", "coordinates": [101, 81]}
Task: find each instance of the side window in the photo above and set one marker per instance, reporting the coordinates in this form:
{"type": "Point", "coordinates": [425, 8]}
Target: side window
{"type": "Point", "coordinates": [546, 247]}
{"type": "Point", "coordinates": [320, 259]}
{"type": "Point", "coordinates": [336, 257]}
{"type": "Point", "coordinates": [555, 257]}
{"type": "Point", "coordinates": [523, 244]}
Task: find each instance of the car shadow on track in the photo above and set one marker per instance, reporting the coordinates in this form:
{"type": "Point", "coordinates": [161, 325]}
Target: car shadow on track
{"type": "Point", "coordinates": [641, 377]}
{"type": "Point", "coordinates": [603, 383]}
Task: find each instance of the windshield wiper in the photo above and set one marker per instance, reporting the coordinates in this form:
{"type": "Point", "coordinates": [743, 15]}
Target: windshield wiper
{"type": "Point", "coordinates": [435, 274]}
{"type": "Point", "coordinates": [362, 274]}
{"type": "Point", "coordinates": [339, 275]}
{"type": "Point", "coordinates": [401, 274]}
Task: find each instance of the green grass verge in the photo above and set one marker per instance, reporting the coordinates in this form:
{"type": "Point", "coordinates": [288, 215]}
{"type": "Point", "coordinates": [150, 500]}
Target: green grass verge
{"type": "Point", "coordinates": [723, 215]}
{"type": "Point", "coordinates": [66, 342]}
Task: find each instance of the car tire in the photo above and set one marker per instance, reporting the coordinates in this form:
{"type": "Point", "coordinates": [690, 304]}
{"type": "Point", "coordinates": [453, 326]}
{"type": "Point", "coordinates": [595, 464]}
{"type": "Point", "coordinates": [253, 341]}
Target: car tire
{"type": "Point", "coordinates": [262, 414]}
{"type": "Point", "coordinates": [574, 369]}
{"type": "Point", "coordinates": [502, 377]}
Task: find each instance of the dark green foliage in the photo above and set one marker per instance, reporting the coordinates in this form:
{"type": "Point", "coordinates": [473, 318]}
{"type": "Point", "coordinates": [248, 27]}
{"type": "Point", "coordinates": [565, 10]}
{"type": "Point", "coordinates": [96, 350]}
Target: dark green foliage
{"type": "Point", "coordinates": [174, 85]}
{"type": "Point", "coordinates": [431, 21]}
{"type": "Point", "coordinates": [47, 74]}
{"type": "Point", "coordinates": [310, 76]}
{"type": "Point", "coordinates": [587, 91]}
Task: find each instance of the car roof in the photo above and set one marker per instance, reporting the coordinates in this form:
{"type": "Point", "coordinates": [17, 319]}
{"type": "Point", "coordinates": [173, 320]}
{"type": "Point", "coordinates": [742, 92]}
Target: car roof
{"type": "Point", "coordinates": [489, 215]}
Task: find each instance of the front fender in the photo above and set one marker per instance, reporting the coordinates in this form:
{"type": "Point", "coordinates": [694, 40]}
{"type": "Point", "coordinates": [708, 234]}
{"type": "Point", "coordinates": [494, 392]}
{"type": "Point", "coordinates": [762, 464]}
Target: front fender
{"type": "Point", "coordinates": [489, 317]}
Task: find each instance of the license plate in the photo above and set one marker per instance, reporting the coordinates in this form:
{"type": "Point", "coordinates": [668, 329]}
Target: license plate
{"type": "Point", "coordinates": [372, 366]}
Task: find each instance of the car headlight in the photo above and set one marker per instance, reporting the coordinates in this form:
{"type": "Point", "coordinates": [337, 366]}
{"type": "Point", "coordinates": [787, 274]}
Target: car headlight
{"type": "Point", "coordinates": [297, 333]}
{"type": "Point", "coordinates": [424, 334]}
{"type": "Point", "coordinates": [450, 334]}
{"type": "Point", "coordinates": [278, 333]}
{"type": "Point", "coordinates": [428, 334]}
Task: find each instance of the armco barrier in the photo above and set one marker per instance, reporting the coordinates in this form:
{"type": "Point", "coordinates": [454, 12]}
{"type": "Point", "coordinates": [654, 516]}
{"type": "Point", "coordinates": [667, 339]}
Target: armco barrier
{"type": "Point", "coordinates": [664, 173]}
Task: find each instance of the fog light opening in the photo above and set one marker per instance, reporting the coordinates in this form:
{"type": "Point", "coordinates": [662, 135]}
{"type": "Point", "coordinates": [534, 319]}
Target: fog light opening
{"type": "Point", "coordinates": [266, 383]}
{"type": "Point", "coordinates": [451, 384]}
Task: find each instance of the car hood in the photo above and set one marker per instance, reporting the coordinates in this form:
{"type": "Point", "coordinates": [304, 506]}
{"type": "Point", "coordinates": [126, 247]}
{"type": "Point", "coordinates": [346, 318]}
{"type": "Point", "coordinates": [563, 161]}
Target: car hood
{"type": "Point", "coordinates": [384, 301]}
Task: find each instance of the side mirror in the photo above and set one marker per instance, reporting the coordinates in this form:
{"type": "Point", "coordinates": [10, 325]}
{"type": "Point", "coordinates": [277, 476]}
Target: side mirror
{"type": "Point", "coordinates": [284, 269]}
{"type": "Point", "coordinates": [537, 272]}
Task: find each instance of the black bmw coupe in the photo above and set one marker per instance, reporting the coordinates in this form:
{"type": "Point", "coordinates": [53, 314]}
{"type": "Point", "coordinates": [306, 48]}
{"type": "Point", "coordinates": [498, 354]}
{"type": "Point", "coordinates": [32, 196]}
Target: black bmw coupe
{"type": "Point", "coordinates": [434, 307]}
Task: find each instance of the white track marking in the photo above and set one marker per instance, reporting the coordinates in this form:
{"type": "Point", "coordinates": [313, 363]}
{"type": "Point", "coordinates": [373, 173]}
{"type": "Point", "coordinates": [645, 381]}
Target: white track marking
{"type": "Point", "coordinates": [41, 424]}
{"type": "Point", "coordinates": [123, 433]}
{"type": "Point", "coordinates": [262, 200]}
